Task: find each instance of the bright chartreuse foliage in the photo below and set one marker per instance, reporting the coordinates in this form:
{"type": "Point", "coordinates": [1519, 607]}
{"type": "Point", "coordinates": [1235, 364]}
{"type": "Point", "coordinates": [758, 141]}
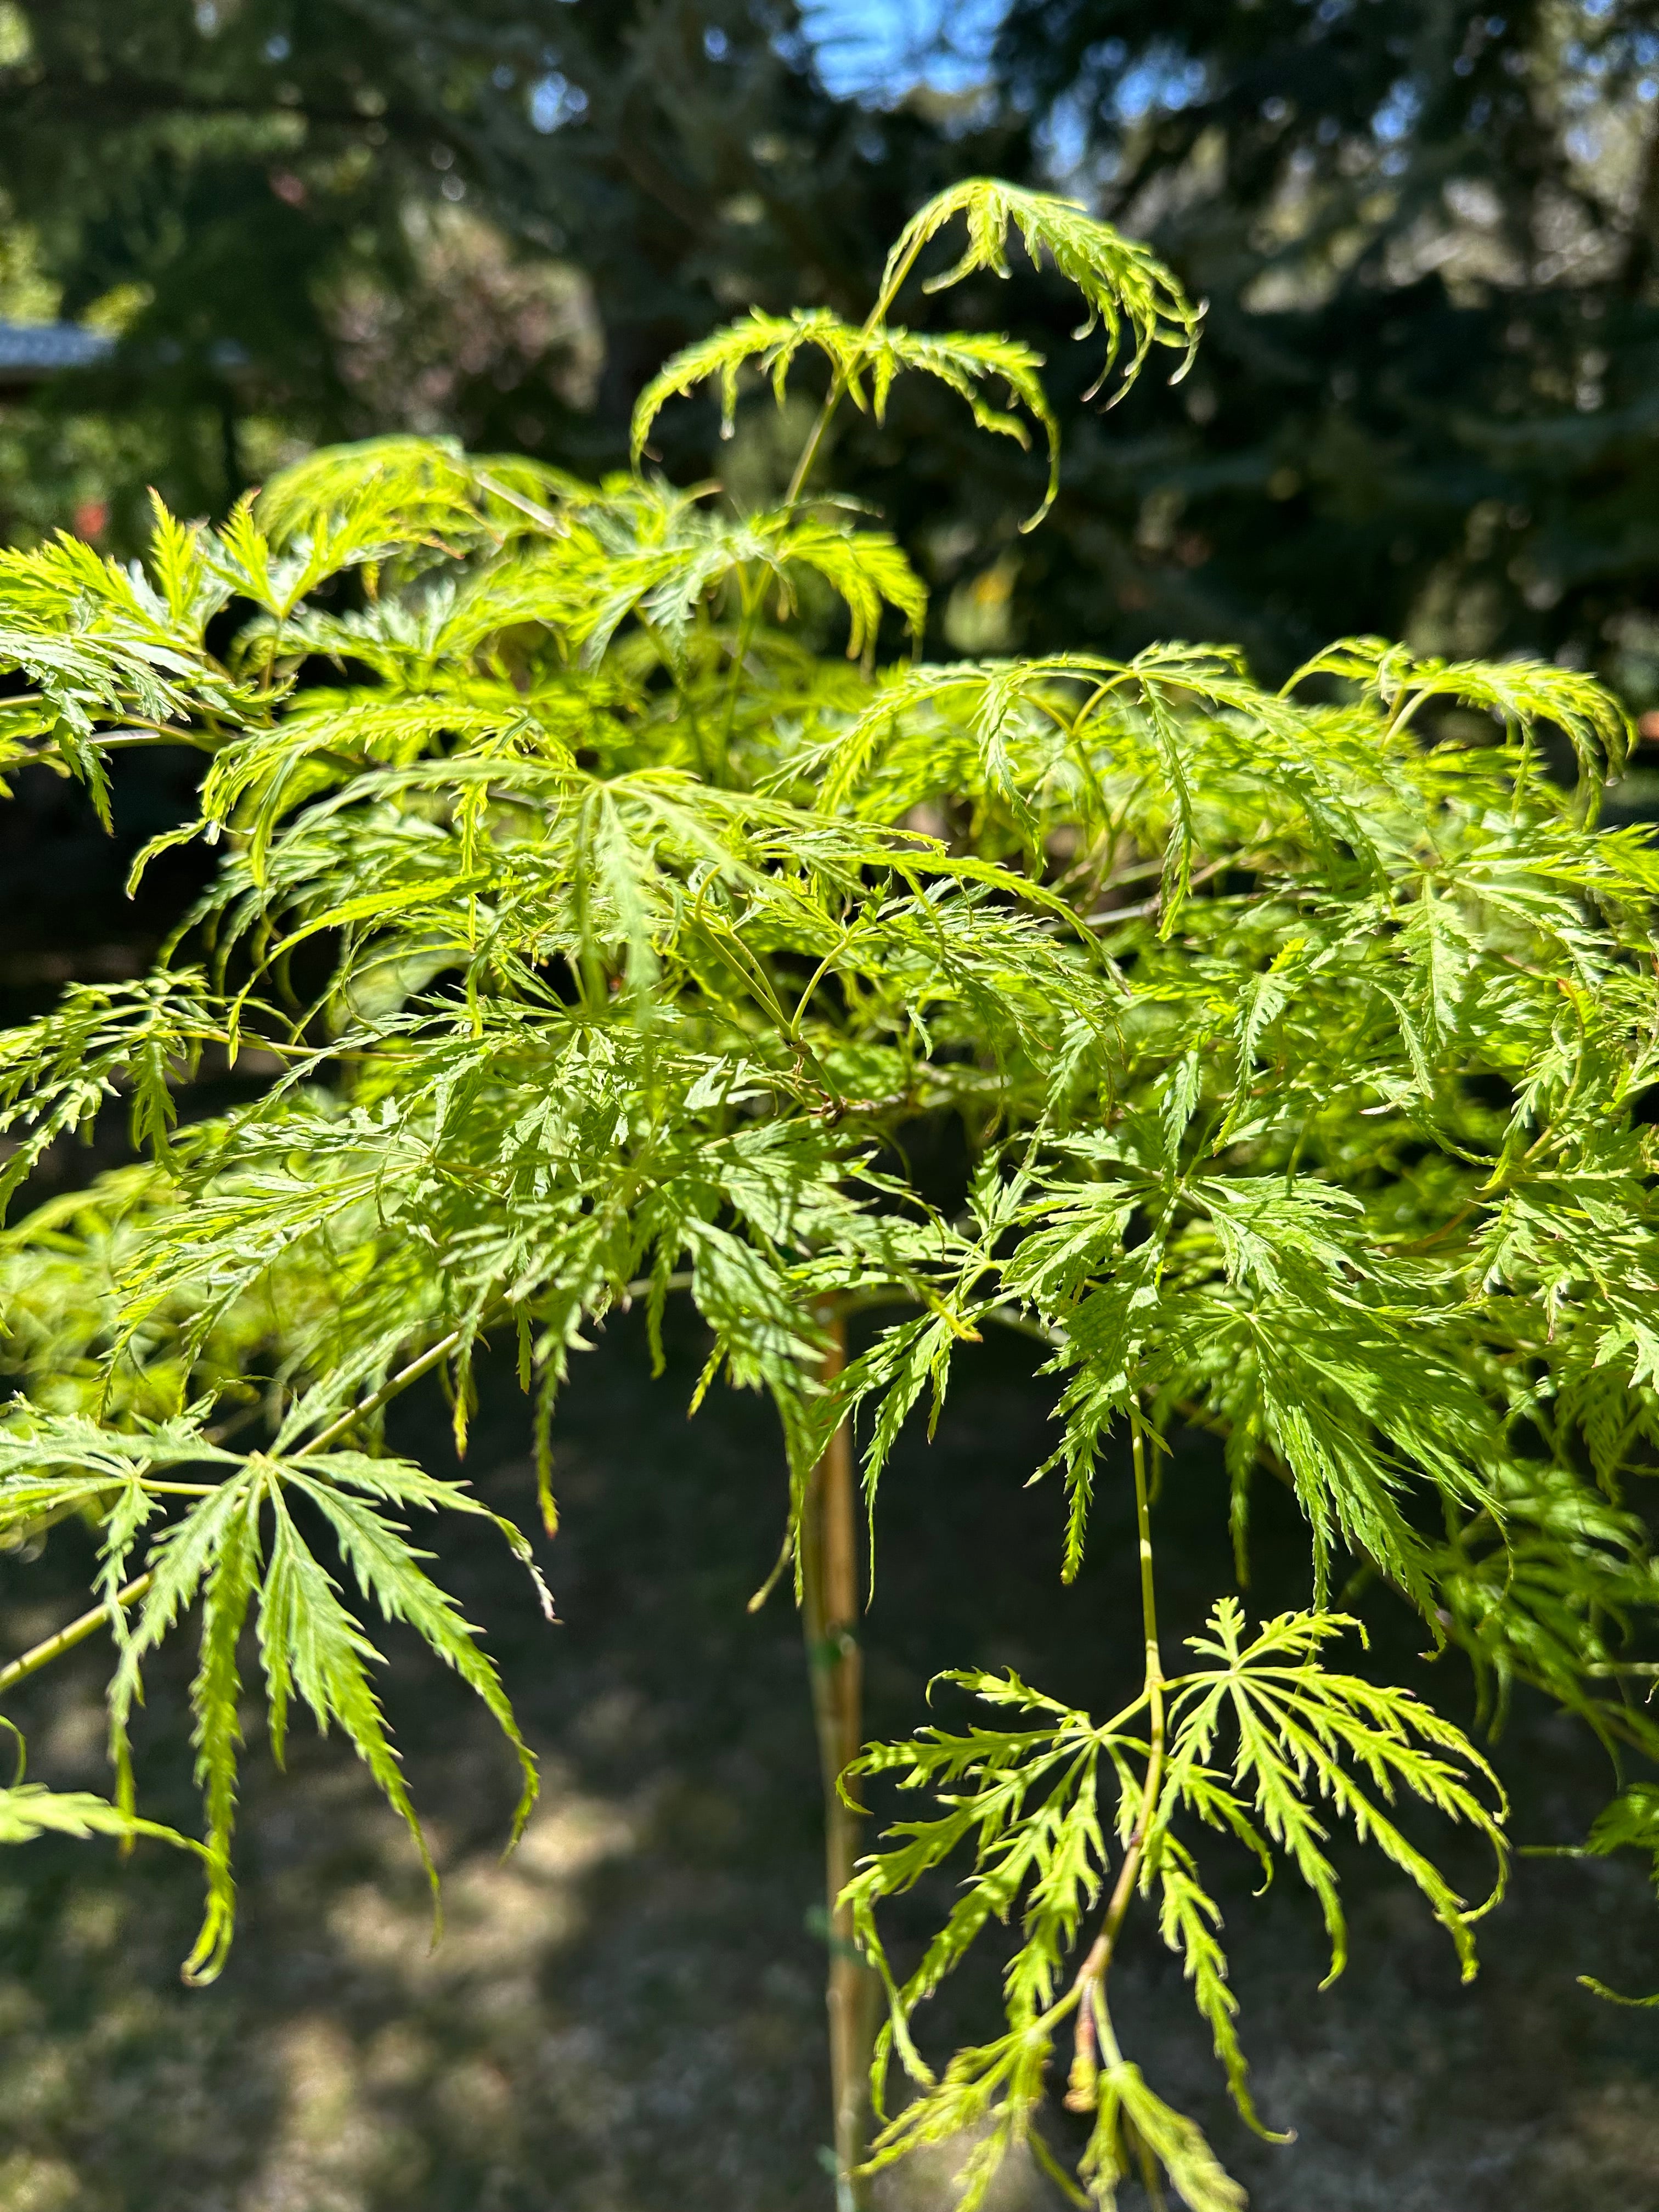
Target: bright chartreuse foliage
{"type": "Point", "coordinates": [605, 930]}
{"type": "Point", "coordinates": [1292, 1730]}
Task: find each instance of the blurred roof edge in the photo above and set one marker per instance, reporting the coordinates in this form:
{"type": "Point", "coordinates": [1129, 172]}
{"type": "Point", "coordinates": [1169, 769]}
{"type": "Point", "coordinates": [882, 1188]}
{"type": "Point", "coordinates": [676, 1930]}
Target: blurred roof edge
{"type": "Point", "coordinates": [32, 352]}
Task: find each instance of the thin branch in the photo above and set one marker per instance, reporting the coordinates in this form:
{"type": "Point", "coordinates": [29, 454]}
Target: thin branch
{"type": "Point", "coordinates": [1088, 1989]}
{"type": "Point", "coordinates": [88, 1624]}
{"type": "Point", "coordinates": [66, 1638]}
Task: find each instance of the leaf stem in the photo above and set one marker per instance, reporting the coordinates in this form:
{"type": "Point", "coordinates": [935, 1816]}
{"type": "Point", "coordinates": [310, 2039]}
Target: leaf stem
{"type": "Point", "coordinates": [1088, 1988]}
{"type": "Point", "coordinates": [431, 1358]}
{"type": "Point", "coordinates": [837, 391]}
{"type": "Point", "coordinates": [1144, 1532]}
{"type": "Point", "coordinates": [752, 602]}
{"type": "Point", "coordinates": [808, 452]}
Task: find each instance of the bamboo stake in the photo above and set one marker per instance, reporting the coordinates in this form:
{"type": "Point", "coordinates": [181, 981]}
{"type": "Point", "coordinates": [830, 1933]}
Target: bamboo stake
{"type": "Point", "coordinates": [829, 1585]}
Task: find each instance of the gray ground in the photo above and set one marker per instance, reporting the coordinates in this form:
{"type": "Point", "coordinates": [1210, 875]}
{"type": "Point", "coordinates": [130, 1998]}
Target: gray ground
{"type": "Point", "coordinates": [626, 2016]}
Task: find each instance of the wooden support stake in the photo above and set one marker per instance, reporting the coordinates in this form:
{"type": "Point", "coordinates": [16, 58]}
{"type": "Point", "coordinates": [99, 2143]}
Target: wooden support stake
{"type": "Point", "coordinates": [829, 1581]}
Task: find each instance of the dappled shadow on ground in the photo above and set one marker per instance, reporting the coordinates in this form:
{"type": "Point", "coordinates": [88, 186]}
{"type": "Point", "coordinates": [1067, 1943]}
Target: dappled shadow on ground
{"type": "Point", "coordinates": [625, 2015]}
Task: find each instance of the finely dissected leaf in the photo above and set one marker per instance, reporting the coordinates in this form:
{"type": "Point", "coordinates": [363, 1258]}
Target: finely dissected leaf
{"type": "Point", "coordinates": [864, 364]}
{"type": "Point", "coordinates": [1632, 1821]}
{"type": "Point", "coordinates": [29, 1810]}
{"type": "Point", "coordinates": [240, 1549]}
{"type": "Point", "coordinates": [1301, 1732]}
{"type": "Point", "coordinates": [1137, 2132]}
{"type": "Point", "coordinates": [1247, 1746]}
{"type": "Point", "coordinates": [1125, 289]}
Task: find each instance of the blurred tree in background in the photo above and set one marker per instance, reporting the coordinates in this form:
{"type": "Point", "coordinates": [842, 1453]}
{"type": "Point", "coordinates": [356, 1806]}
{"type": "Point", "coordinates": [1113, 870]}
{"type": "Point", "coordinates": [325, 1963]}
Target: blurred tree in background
{"type": "Point", "coordinates": [314, 219]}
{"type": "Point", "coordinates": [1428, 235]}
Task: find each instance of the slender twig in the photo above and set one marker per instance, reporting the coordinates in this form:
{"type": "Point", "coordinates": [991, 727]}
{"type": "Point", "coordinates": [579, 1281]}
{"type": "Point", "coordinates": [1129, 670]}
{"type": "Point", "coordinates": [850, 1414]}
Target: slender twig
{"type": "Point", "coordinates": [1088, 1989]}
{"type": "Point", "coordinates": [66, 1638]}
{"type": "Point", "coordinates": [839, 383]}
{"type": "Point", "coordinates": [1023, 1325]}
{"type": "Point", "coordinates": [431, 1358]}
{"type": "Point", "coordinates": [536, 513]}
{"type": "Point", "coordinates": [88, 1624]}
{"type": "Point", "coordinates": [156, 733]}
{"type": "Point", "coordinates": [752, 604]}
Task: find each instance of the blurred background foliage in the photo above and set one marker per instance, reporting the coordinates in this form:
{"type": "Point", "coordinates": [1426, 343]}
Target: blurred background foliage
{"type": "Point", "coordinates": [1427, 402]}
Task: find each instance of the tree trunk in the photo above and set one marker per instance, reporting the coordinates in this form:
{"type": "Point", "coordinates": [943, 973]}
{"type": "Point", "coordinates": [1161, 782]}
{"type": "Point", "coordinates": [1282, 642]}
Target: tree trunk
{"type": "Point", "coordinates": [829, 1579]}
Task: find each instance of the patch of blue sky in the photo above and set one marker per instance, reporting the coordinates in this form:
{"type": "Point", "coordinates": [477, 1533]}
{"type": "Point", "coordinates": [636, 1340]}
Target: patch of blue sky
{"type": "Point", "coordinates": [878, 51]}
